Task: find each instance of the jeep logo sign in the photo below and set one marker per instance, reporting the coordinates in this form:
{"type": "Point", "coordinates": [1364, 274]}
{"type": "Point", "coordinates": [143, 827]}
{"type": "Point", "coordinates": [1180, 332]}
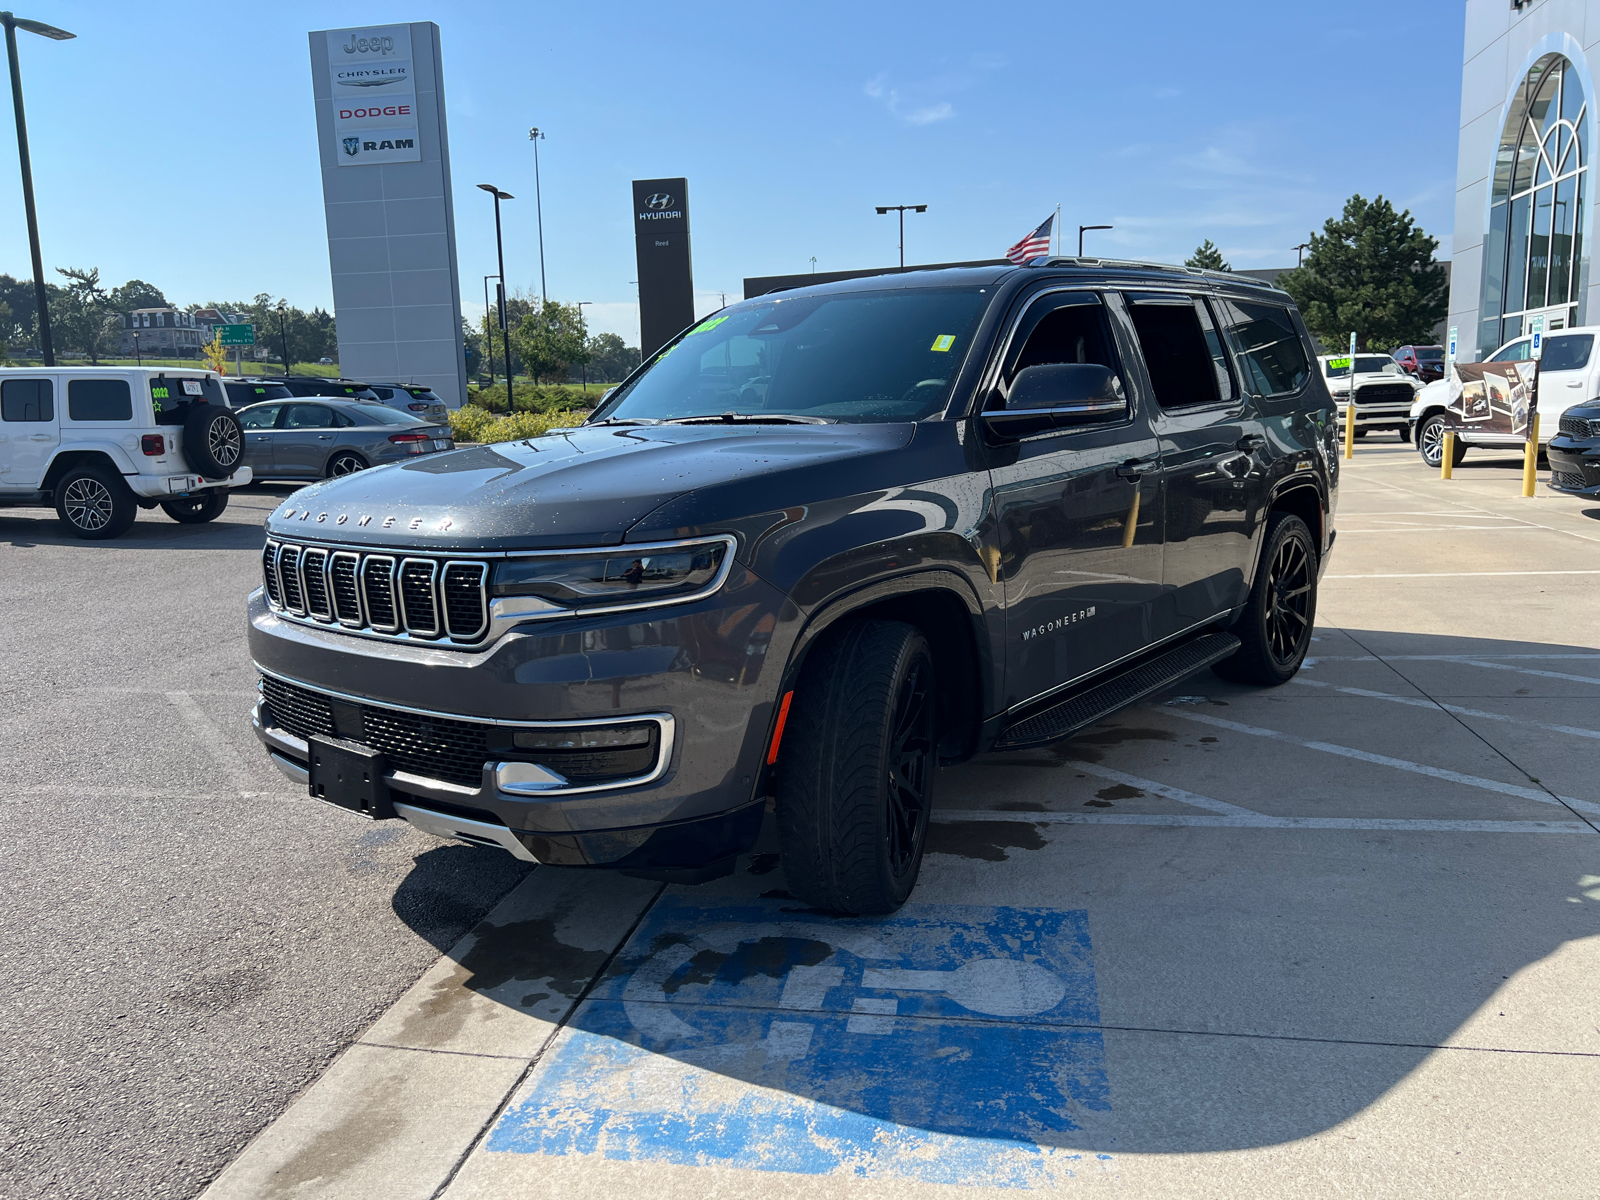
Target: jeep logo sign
{"type": "Point", "coordinates": [373, 89]}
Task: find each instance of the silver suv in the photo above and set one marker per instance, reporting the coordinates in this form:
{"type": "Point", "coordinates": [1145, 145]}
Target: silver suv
{"type": "Point", "coordinates": [100, 443]}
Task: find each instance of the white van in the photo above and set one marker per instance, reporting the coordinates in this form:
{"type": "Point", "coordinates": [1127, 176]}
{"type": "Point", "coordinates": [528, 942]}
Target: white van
{"type": "Point", "coordinates": [100, 443]}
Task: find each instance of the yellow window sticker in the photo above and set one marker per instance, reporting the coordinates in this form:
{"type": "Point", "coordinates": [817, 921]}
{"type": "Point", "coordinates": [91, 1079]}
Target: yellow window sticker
{"type": "Point", "coordinates": [944, 341]}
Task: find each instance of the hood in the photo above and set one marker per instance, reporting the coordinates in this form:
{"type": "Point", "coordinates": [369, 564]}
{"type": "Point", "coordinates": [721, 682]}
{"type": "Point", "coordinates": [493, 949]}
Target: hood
{"type": "Point", "coordinates": [577, 487]}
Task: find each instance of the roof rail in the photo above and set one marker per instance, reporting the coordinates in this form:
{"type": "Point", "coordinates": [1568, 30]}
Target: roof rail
{"type": "Point", "coordinates": [1143, 265]}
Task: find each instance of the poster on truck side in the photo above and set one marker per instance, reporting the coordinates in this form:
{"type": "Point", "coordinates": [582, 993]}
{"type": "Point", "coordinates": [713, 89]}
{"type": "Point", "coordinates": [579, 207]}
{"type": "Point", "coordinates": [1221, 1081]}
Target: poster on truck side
{"type": "Point", "coordinates": [1494, 397]}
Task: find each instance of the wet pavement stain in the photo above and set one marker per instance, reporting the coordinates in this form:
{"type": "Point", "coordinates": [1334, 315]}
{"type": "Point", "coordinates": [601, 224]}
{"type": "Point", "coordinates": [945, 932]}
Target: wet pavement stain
{"type": "Point", "coordinates": [1098, 804]}
{"type": "Point", "coordinates": [986, 841]}
{"type": "Point", "coordinates": [762, 864]}
{"type": "Point", "coordinates": [1021, 806]}
{"type": "Point", "coordinates": [1119, 791]}
{"type": "Point", "coordinates": [1087, 747]}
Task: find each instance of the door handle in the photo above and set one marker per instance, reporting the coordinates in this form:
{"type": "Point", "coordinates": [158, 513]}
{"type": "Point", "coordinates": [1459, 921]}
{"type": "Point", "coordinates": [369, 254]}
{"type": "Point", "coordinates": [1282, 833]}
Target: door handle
{"type": "Point", "coordinates": [40, 437]}
{"type": "Point", "coordinates": [324, 437]}
{"type": "Point", "coordinates": [1250, 443]}
{"type": "Point", "coordinates": [1134, 468]}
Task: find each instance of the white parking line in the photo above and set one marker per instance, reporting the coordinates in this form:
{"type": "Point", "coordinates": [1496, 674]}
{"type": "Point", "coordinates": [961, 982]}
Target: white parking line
{"type": "Point", "coordinates": [1537, 795]}
{"type": "Point", "coordinates": [1457, 574]}
{"type": "Point", "coordinates": [1449, 657]}
{"type": "Point", "coordinates": [1262, 821]}
{"type": "Point", "coordinates": [1160, 789]}
{"type": "Point", "coordinates": [1494, 666]}
{"type": "Point", "coordinates": [223, 752]}
{"type": "Point", "coordinates": [1419, 702]}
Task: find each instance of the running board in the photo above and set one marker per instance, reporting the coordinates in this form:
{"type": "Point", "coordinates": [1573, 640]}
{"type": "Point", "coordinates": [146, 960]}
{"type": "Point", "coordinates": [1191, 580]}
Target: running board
{"type": "Point", "coordinates": [1118, 692]}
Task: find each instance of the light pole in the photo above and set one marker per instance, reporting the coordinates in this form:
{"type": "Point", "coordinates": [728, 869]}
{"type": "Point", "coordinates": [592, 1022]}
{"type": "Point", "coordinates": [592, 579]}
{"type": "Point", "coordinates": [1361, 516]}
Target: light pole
{"type": "Point", "coordinates": [283, 335]}
{"type": "Point", "coordinates": [582, 304]}
{"type": "Point", "coordinates": [1082, 229]}
{"type": "Point", "coordinates": [137, 358]}
{"type": "Point", "coordinates": [536, 136]}
{"type": "Point", "coordinates": [500, 253]}
{"type": "Point", "coordinates": [901, 209]}
{"type": "Point", "coordinates": [12, 24]}
{"type": "Point", "coordinates": [813, 264]}
{"type": "Point", "coordinates": [488, 329]}
{"type": "Point", "coordinates": [1300, 253]}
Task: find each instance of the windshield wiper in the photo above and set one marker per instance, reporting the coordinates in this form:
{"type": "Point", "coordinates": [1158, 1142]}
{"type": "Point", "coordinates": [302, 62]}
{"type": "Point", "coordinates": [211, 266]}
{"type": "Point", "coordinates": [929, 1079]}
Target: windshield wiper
{"type": "Point", "coordinates": [733, 418]}
{"type": "Point", "coordinates": [627, 421]}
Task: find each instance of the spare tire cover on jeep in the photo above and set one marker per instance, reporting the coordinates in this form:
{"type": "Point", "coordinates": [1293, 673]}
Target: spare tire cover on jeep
{"type": "Point", "coordinates": [213, 440]}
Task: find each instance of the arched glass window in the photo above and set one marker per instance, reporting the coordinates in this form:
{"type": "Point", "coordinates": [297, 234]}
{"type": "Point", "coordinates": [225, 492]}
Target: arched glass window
{"type": "Point", "coordinates": [1533, 252]}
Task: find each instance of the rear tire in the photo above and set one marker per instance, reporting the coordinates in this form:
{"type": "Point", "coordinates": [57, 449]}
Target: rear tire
{"type": "Point", "coordinates": [94, 504]}
{"type": "Point", "coordinates": [1274, 630]}
{"type": "Point", "coordinates": [345, 464]}
{"type": "Point", "coordinates": [855, 777]}
{"type": "Point", "coordinates": [197, 510]}
{"type": "Point", "coordinates": [213, 441]}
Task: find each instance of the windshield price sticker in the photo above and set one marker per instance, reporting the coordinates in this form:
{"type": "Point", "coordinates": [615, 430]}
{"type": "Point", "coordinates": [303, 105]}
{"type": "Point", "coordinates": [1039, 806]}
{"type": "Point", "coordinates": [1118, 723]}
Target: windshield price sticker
{"type": "Point", "coordinates": [707, 326]}
{"type": "Point", "coordinates": [1339, 364]}
{"type": "Point", "coordinates": [944, 341]}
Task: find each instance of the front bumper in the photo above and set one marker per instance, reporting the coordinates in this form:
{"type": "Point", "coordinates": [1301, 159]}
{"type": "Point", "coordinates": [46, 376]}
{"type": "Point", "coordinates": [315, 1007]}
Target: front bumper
{"type": "Point", "coordinates": [164, 487]}
{"type": "Point", "coordinates": [1574, 466]}
{"type": "Point", "coordinates": [710, 671]}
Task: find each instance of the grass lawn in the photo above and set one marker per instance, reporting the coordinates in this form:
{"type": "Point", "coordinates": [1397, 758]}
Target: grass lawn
{"type": "Point", "coordinates": [250, 368]}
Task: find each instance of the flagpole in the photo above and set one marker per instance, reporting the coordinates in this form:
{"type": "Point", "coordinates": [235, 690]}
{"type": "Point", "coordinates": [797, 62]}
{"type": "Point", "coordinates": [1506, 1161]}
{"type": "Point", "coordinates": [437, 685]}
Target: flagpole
{"type": "Point", "coordinates": [1057, 254]}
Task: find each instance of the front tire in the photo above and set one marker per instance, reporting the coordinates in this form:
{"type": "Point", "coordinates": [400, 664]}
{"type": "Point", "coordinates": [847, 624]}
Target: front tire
{"type": "Point", "coordinates": [1430, 442]}
{"type": "Point", "coordinates": [855, 778]}
{"type": "Point", "coordinates": [197, 510]}
{"type": "Point", "coordinates": [95, 504]}
{"type": "Point", "coordinates": [1274, 630]}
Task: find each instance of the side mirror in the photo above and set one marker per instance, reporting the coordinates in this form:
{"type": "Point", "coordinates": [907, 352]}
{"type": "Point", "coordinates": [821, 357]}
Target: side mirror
{"type": "Point", "coordinates": [1057, 396]}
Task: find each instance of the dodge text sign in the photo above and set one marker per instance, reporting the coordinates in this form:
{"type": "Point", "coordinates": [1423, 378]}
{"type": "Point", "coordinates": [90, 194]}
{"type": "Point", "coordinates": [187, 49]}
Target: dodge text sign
{"type": "Point", "coordinates": [374, 95]}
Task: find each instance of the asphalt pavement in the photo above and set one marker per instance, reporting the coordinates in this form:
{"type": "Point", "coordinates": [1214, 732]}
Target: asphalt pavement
{"type": "Point", "coordinates": [186, 939]}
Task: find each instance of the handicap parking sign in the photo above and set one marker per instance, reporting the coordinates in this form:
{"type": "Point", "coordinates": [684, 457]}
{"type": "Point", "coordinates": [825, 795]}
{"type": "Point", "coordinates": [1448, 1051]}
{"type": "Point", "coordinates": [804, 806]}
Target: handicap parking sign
{"type": "Point", "coordinates": [949, 1044]}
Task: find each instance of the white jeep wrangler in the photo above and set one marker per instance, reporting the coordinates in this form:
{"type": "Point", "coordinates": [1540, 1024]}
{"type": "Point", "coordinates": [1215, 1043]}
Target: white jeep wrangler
{"type": "Point", "coordinates": [100, 443]}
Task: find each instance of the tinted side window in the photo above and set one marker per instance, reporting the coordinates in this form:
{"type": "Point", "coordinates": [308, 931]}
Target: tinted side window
{"type": "Point", "coordinates": [309, 416]}
{"type": "Point", "coordinates": [1514, 352]}
{"type": "Point", "coordinates": [1057, 329]}
{"type": "Point", "coordinates": [1271, 354]}
{"type": "Point", "coordinates": [99, 400]}
{"type": "Point", "coordinates": [1219, 352]}
{"type": "Point", "coordinates": [341, 421]}
{"type": "Point", "coordinates": [262, 416]}
{"type": "Point", "coordinates": [27, 400]}
{"type": "Point", "coordinates": [1567, 352]}
{"type": "Point", "coordinates": [1181, 368]}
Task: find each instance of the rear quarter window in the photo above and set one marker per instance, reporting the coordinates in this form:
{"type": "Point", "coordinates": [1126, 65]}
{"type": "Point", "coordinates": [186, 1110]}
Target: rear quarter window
{"type": "Point", "coordinates": [99, 400]}
{"type": "Point", "coordinates": [1271, 354]}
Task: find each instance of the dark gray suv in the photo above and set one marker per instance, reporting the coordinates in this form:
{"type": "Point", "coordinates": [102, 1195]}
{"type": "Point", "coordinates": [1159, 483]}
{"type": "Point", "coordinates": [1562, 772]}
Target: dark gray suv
{"type": "Point", "coordinates": [820, 545]}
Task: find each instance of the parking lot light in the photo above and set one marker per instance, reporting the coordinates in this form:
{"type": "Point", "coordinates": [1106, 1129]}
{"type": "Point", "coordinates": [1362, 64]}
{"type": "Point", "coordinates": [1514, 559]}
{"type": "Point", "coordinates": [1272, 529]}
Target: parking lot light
{"type": "Point", "coordinates": [12, 24]}
{"type": "Point", "coordinates": [500, 254]}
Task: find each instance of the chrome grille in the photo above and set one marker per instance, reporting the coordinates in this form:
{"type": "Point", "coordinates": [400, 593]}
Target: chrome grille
{"type": "Point", "coordinates": [419, 601]}
{"type": "Point", "coordinates": [1579, 428]}
{"type": "Point", "coordinates": [439, 600]}
{"type": "Point", "coordinates": [314, 582]}
{"type": "Point", "coordinates": [466, 615]}
{"type": "Point", "coordinates": [343, 587]}
{"type": "Point", "coordinates": [289, 579]}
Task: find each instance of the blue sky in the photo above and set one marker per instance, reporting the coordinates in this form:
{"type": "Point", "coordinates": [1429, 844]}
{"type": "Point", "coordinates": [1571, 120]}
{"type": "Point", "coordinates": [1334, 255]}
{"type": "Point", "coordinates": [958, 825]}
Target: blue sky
{"type": "Point", "coordinates": [178, 144]}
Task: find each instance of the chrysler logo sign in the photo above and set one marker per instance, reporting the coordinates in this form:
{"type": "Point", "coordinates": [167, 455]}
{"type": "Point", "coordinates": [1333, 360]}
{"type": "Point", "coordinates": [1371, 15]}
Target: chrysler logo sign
{"type": "Point", "coordinates": [659, 202]}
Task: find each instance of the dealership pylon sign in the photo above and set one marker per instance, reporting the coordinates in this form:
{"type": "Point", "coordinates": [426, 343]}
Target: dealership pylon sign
{"type": "Point", "coordinates": [374, 95]}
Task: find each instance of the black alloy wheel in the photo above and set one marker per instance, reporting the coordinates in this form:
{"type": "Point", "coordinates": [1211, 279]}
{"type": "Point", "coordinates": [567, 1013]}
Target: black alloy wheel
{"type": "Point", "coordinates": [1274, 630]}
{"type": "Point", "coordinates": [345, 464]}
{"type": "Point", "coordinates": [856, 768]}
{"type": "Point", "coordinates": [94, 504]}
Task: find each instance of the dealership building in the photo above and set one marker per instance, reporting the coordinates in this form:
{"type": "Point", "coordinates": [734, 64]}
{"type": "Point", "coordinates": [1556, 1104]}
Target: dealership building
{"type": "Point", "coordinates": [1525, 196]}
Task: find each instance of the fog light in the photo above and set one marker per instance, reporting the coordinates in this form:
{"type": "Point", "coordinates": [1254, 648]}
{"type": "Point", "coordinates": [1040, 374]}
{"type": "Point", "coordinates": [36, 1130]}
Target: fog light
{"type": "Point", "coordinates": [604, 738]}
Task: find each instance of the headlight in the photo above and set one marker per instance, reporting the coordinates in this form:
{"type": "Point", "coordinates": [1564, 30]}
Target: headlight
{"type": "Point", "coordinates": [624, 576]}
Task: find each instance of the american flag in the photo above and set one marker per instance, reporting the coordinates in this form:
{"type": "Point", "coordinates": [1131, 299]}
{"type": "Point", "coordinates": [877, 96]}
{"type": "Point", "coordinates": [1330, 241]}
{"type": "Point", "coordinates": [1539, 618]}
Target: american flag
{"type": "Point", "coordinates": [1035, 244]}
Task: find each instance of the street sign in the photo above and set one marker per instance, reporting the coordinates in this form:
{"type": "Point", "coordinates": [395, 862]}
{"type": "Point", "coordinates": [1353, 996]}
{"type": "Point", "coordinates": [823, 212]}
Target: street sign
{"type": "Point", "coordinates": [1450, 350]}
{"type": "Point", "coordinates": [236, 335]}
{"type": "Point", "coordinates": [1536, 327]}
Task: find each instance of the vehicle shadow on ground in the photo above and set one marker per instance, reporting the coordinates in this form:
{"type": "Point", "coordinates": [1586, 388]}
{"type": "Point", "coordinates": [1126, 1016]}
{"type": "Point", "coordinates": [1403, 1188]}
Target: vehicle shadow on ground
{"type": "Point", "coordinates": [1269, 1035]}
{"type": "Point", "coordinates": [450, 887]}
{"type": "Point", "coordinates": [23, 529]}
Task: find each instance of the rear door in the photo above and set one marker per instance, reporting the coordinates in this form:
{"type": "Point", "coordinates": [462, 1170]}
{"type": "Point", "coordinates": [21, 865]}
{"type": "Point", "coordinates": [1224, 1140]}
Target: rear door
{"type": "Point", "coordinates": [1214, 475]}
{"type": "Point", "coordinates": [29, 431]}
{"type": "Point", "coordinates": [303, 441]}
{"type": "Point", "coordinates": [1078, 511]}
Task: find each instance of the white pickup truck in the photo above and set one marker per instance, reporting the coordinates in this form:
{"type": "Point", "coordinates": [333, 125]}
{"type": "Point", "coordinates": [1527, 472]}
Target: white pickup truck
{"type": "Point", "coordinates": [1384, 392]}
{"type": "Point", "coordinates": [100, 443]}
{"type": "Point", "coordinates": [1569, 373]}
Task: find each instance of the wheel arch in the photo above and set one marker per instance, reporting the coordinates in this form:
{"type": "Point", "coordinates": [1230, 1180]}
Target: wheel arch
{"type": "Point", "coordinates": [67, 460]}
{"type": "Point", "coordinates": [1304, 499]}
{"type": "Point", "coordinates": [942, 604]}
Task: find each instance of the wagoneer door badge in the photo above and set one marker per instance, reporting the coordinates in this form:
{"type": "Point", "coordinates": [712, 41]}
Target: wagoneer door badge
{"type": "Point", "coordinates": [1083, 614]}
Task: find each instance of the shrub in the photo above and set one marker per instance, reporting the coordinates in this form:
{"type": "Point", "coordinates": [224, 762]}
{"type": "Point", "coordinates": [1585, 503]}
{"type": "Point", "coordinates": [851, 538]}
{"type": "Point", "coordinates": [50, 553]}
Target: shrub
{"type": "Point", "coordinates": [473, 424]}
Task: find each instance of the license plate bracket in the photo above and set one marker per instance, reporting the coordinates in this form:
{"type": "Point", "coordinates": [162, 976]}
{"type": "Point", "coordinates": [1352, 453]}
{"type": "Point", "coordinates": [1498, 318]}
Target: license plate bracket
{"type": "Point", "coordinates": [349, 776]}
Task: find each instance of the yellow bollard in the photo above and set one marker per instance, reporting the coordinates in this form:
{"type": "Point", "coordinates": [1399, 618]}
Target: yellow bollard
{"type": "Point", "coordinates": [1130, 527]}
{"type": "Point", "coordinates": [1350, 423]}
{"type": "Point", "coordinates": [1448, 462]}
{"type": "Point", "coordinates": [1530, 458]}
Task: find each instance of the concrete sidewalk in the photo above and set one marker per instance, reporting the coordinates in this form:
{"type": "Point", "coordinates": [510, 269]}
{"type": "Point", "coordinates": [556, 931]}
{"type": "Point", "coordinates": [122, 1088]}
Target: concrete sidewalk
{"type": "Point", "coordinates": [1334, 938]}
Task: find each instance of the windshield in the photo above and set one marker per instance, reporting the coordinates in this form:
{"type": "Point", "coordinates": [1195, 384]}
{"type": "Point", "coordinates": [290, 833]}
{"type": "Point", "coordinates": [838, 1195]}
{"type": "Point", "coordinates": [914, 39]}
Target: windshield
{"type": "Point", "coordinates": [240, 394]}
{"type": "Point", "coordinates": [373, 414]}
{"type": "Point", "coordinates": [859, 356]}
{"type": "Point", "coordinates": [1339, 367]}
{"type": "Point", "coordinates": [1433, 355]}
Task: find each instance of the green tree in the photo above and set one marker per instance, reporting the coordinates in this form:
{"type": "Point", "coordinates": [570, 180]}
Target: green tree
{"type": "Point", "coordinates": [610, 358]}
{"type": "Point", "coordinates": [552, 340]}
{"type": "Point", "coordinates": [1207, 257]}
{"type": "Point", "coordinates": [136, 293]}
{"type": "Point", "coordinates": [1371, 270]}
{"type": "Point", "coordinates": [82, 319]}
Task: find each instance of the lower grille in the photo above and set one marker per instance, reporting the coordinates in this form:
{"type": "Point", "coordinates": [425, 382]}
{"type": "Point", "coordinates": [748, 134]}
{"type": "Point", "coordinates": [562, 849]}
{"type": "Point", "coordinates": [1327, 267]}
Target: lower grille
{"type": "Point", "coordinates": [436, 747]}
{"type": "Point", "coordinates": [1578, 427]}
{"type": "Point", "coordinates": [1567, 479]}
{"type": "Point", "coordinates": [296, 710]}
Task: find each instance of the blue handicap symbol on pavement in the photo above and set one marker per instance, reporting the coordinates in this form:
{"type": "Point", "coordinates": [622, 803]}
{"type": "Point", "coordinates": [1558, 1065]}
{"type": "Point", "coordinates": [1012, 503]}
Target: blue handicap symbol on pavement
{"type": "Point", "coordinates": [949, 1044]}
